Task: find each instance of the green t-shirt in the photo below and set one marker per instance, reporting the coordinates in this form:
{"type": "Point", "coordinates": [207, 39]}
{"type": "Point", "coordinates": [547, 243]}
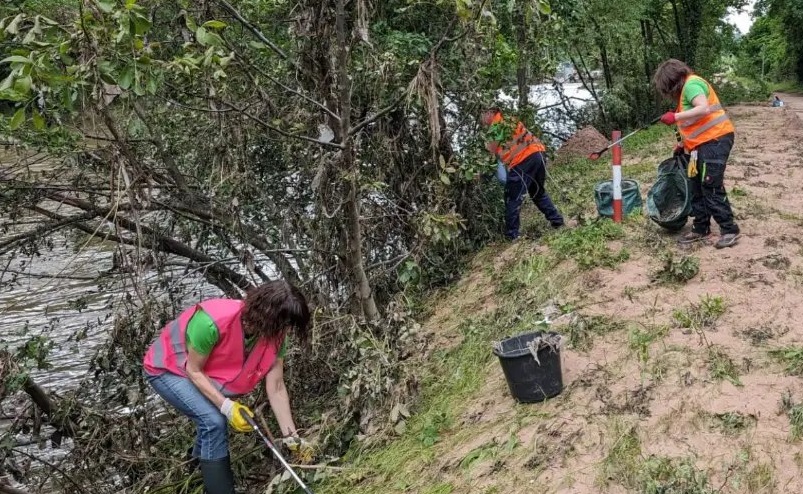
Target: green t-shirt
{"type": "Point", "coordinates": [202, 335]}
{"type": "Point", "coordinates": [693, 88]}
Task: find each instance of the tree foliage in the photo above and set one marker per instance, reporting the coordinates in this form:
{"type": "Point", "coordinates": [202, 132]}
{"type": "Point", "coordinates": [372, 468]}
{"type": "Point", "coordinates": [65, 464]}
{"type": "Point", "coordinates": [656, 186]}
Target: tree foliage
{"type": "Point", "coordinates": [773, 48]}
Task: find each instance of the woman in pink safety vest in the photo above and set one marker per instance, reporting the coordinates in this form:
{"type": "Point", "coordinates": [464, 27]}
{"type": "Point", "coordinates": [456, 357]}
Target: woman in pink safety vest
{"type": "Point", "coordinates": [221, 349]}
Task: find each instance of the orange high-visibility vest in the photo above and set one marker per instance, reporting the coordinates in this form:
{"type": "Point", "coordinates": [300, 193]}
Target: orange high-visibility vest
{"type": "Point", "coordinates": [522, 145]}
{"type": "Point", "coordinates": [708, 127]}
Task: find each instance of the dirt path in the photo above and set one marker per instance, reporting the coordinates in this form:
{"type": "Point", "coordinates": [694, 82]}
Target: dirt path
{"type": "Point", "coordinates": [793, 101]}
{"type": "Point", "coordinates": [653, 401]}
{"type": "Point", "coordinates": [681, 403]}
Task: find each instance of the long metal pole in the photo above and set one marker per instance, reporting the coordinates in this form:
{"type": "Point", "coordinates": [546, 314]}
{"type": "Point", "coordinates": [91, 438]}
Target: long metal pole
{"type": "Point", "coordinates": [275, 452]}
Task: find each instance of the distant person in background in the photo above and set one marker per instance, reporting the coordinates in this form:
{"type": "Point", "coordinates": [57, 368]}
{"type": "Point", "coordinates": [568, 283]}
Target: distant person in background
{"type": "Point", "coordinates": [707, 138]}
{"type": "Point", "coordinates": [777, 101]}
{"type": "Point", "coordinates": [523, 155]}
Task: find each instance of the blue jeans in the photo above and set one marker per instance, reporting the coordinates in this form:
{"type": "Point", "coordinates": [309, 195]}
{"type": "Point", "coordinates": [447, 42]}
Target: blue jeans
{"type": "Point", "coordinates": [212, 441]}
{"type": "Point", "coordinates": [528, 177]}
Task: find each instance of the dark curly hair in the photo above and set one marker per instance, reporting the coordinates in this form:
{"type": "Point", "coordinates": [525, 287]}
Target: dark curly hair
{"type": "Point", "coordinates": [273, 308]}
{"type": "Point", "coordinates": [669, 78]}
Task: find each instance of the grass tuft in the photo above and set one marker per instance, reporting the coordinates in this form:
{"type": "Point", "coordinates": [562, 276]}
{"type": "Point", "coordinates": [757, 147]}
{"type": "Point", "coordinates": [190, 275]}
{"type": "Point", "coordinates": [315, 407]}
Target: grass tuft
{"type": "Point", "coordinates": [794, 411]}
{"type": "Point", "coordinates": [791, 357]}
{"type": "Point", "coordinates": [626, 466]}
{"type": "Point", "coordinates": [702, 315]}
{"type": "Point", "coordinates": [583, 329]}
{"type": "Point", "coordinates": [733, 422]}
{"type": "Point", "coordinates": [640, 339]}
{"type": "Point", "coordinates": [676, 270]}
{"type": "Point", "coordinates": [587, 245]}
{"type": "Point", "coordinates": [721, 366]}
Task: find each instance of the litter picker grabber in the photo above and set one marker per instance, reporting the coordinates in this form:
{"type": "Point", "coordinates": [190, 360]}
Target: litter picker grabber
{"type": "Point", "coordinates": [273, 449]}
{"type": "Point", "coordinates": [595, 156]}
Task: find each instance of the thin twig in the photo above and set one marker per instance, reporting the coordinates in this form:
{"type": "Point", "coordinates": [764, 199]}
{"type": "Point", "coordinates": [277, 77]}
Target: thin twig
{"type": "Point", "coordinates": [284, 133]}
{"type": "Point", "coordinates": [381, 113]}
{"type": "Point", "coordinates": [273, 46]}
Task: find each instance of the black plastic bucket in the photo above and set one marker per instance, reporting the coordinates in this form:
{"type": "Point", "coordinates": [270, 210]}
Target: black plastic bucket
{"type": "Point", "coordinates": [530, 381]}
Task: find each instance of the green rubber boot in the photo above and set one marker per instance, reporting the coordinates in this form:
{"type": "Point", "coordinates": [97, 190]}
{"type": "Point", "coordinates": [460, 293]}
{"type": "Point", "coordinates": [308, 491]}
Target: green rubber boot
{"type": "Point", "coordinates": [218, 476]}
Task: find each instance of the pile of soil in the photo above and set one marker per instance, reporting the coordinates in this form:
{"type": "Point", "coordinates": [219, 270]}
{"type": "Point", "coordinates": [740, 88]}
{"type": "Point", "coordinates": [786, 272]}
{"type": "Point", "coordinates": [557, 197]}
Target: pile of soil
{"type": "Point", "coordinates": [584, 142]}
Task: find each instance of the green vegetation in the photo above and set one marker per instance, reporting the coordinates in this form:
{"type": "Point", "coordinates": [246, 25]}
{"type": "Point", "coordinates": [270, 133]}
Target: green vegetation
{"type": "Point", "coordinates": [721, 366]}
{"type": "Point", "coordinates": [640, 340]}
{"type": "Point", "coordinates": [626, 466]}
{"type": "Point", "coordinates": [676, 269]}
{"type": "Point", "coordinates": [733, 422]}
{"type": "Point", "coordinates": [773, 49]}
{"type": "Point", "coordinates": [791, 357]}
{"type": "Point", "coordinates": [701, 315]}
{"type": "Point", "coordinates": [794, 411]}
{"type": "Point", "coordinates": [583, 330]}
{"type": "Point", "coordinates": [588, 245]}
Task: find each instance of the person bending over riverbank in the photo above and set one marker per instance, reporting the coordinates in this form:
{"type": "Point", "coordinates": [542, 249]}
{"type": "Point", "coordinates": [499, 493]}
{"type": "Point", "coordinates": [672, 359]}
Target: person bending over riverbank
{"type": "Point", "coordinates": [221, 349]}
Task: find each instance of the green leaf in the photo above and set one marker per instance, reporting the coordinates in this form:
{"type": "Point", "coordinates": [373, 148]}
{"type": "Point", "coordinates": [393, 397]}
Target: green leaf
{"type": "Point", "coordinates": [17, 119]}
{"type": "Point", "coordinates": [152, 85]}
{"type": "Point", "coordinates": [11, 95]}
{"type": "Point", "coordinates": [445, 179]}
{"type": "Point", "coordinates": [13, 26]}
{"type": "Point", "coordinates": [205, 38]}
{"type": "Point", "coordinates": [16, 59]}
{"type": "Point", "coordinates": [7, 82]}
{"type": "Point", "coordinates": [107, 78]}
{"type": "Point", "coordinates": [544, 7]}
{"type": "Point", "coordinates": [129, 4]}
{"type": "Point", "coordinates": [190, 23]}
{"type": "Point", "coordinates": [126, 78]}
{"type": "Point", "coordinates": [105, 6]}
{"type": "Point", "coordinates": [38, 121]}
{"type": "Point", "coordinates": [138, 89]}
{"type": "Point", "coordinates": [257, 45]}
{"type": "Point", "coordinates": [23, 85]}
{"type": "Point", "coordinates": [48, 21]}
{"type": "Point", "coordinates": [202, 35]}
{"type": "Point", "coordinates": [213, 24]}
{"type": "Point", "coordinates": [141, 23]}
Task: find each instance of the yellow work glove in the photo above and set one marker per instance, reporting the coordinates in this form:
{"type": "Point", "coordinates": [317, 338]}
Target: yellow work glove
{"type": "Point", "coordinates": [693, 164]}
{"type": "Point", "coordinates": [302, 451]}
{"type": "Point", "coordinates": [232, 410]}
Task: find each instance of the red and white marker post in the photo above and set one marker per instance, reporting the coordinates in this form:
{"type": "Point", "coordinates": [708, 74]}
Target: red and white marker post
{"type": "Point", "coordinates": [616, 164]}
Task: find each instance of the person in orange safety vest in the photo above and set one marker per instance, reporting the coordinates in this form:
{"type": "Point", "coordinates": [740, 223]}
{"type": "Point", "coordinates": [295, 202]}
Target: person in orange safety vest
{"type": "Point", "coordinates": [523, 155]}
{"type": "Point", "coordinates": [707, 138]}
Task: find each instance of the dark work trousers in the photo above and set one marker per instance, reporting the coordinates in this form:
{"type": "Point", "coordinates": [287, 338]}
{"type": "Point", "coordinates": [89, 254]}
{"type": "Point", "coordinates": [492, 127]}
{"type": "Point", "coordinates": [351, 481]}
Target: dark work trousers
{"type": "Point", "coordinates": [528, 177]}
{"type": "Point", "coordinates": [709, 198]}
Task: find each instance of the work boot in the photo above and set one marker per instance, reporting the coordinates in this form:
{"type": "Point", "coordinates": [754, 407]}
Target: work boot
{"type": "Point", "coordinates": [218, 476]}
{"type": "Point", "coordinates": [692, 238]}
{"type": "Point", "coordinates": [727, 240]}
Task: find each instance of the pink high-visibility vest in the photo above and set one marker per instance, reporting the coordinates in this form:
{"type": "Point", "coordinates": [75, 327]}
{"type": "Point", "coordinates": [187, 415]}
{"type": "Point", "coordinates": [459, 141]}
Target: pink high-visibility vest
{"type": "Point", "coordinates": [232, 371]}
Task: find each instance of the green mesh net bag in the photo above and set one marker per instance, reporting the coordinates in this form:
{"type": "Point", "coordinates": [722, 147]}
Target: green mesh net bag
{"type": "Point", "coordinates": [669, 199]}
{"type": "Point", "coordinates": [631, 197]}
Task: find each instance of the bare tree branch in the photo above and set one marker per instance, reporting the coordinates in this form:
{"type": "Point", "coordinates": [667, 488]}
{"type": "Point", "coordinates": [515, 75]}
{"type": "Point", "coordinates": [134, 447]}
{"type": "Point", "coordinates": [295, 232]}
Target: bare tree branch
{"type": "Point", "coordinates": [273, 46]}
{"type": "Point", "coordinates": [376, 116]}
{"type": "Point", "coordinates": [284, 133]}
{"type": "Point", "coordinates": [11, 242]}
